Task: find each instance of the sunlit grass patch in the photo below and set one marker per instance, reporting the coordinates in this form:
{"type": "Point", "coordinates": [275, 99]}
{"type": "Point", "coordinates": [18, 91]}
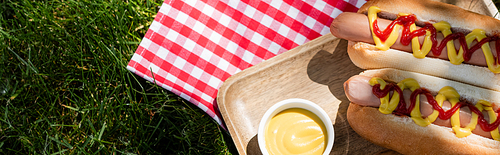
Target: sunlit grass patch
{"type": "Point", "coordinates": [64, 86]}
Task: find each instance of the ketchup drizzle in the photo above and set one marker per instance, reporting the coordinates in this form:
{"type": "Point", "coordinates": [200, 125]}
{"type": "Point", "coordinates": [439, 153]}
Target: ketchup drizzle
{"type": "Point", "coordinates": [436, 49]}
{"type": "Point", "coordinates": [401, 110]}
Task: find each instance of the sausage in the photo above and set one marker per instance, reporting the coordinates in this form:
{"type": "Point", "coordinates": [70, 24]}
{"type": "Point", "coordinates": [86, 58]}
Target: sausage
{"type": "Point", "coordinates": [355, 27]}
{"type": "Point", "coordinates": [359, 91]}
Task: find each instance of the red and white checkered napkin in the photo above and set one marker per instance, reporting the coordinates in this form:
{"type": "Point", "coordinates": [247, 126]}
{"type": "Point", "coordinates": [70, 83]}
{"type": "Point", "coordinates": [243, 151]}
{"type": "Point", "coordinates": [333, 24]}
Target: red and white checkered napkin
{"type": "Point", "coordinates": [192, 46]}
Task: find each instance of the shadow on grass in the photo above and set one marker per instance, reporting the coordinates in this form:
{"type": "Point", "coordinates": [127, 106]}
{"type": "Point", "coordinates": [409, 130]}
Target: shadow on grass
{"type": "Point", "coordinates": [184, 128]}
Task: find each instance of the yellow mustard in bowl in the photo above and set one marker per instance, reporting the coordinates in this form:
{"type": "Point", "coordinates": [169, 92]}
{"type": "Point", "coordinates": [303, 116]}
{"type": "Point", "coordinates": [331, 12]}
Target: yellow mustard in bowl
{"type": "Point", "coordinates": [296, 131]}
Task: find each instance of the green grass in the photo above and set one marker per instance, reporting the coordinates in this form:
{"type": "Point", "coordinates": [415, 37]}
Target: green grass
{"type": "Point", "coordinates": [64, 87]}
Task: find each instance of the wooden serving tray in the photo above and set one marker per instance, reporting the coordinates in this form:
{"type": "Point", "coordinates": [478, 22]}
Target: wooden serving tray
{"type": "Point", "coordinates": [314, 71]}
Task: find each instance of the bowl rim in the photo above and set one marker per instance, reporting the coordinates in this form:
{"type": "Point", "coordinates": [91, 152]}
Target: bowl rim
{"type": "Point", "coordinates": [295, 103]}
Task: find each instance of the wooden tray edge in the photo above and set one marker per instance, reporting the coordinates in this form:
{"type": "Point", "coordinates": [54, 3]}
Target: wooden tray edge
{"type": "Point", "coordinates": [311, 45]}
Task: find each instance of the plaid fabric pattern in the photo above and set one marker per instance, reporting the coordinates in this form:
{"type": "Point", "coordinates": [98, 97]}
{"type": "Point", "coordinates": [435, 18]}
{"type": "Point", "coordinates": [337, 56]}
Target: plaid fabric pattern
{"type": "Point", "coordinates": [192, 46]}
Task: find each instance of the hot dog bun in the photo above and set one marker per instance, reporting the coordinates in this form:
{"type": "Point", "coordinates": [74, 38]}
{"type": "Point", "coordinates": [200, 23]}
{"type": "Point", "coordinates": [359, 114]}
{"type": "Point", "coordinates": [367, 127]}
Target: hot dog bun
{"type": "Point", "coordinates": [366, 56]}
{"type": "Point", "coordinates": [401, 134]}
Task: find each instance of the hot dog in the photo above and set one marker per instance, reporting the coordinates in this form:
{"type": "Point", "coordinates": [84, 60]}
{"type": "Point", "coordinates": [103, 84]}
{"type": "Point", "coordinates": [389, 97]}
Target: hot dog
{"type": "Point", "coordinates": [400, 130]}
{"type": "Point", "coordinates": [477, 65]}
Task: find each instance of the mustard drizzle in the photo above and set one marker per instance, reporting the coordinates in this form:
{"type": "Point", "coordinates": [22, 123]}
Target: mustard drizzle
{"type": "Point", "coordinates": [420, 51]}
{"type": "Point", "coordinates": [445, 94]}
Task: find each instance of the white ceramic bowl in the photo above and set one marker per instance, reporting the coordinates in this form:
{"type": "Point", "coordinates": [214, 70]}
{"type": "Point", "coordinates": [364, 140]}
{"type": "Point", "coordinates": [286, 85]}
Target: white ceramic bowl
{"type": "Point", "coordinates": [295, 103]}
